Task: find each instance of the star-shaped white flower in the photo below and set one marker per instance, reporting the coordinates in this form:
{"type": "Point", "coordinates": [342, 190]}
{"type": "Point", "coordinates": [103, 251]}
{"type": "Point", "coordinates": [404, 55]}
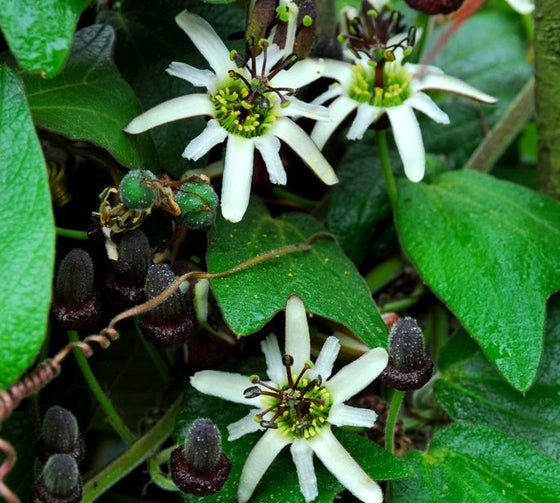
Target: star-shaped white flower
{"type": "Point", "coordinates": [522, 6]}
{"type": "Point", "coordinates": [401, 94]}
{"type": "Point", "coordinates": [297, 406]}
{"type": "Point", "coordinates": [248, 106]}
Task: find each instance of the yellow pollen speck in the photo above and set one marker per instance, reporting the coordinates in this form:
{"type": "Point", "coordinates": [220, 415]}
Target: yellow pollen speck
{"type": "Point", "coordinates": [325, 260]}
{"type": "Point", "coordinates": [255, 296]}
{"type": "Point", "coordinates": [290, 275]}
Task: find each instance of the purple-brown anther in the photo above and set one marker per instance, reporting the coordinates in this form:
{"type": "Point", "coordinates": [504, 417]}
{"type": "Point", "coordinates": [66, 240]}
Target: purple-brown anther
{"type": "Point", "coordinates": [75, 304]}
{"type": "Point", "coordinates": [199, 466]}
{"type": "Point", "coordinates": [306, 28]}
{"type": "Point", "coordinates": [409, 367]}
{"type": "Point", "coordinates": [432, 7]}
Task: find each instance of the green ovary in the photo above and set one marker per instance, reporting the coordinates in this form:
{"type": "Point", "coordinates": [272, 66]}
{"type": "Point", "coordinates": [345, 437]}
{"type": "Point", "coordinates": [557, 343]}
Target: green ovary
{"type": "Point", "coordinates": [239, 117]}
{"type": "Point", "coordinates": [395, 90]}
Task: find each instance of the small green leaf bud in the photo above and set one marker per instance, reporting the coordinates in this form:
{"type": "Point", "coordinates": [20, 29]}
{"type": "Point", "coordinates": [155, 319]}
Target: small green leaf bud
{"type": "Point", "coordinates": [135, 190]}
{"type": "Point", "coordinates": [60, 481]}
{"type": "Point", "coordinates": [59, 435]}
{"type": "Point", "coordinates": [198, 202]}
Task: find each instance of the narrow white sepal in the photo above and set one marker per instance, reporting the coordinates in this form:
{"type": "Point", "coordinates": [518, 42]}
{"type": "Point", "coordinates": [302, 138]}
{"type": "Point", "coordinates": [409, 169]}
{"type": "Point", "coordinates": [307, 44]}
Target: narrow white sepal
{"type": "Point", "coordinates": [298, 108]}
{"type": "Point", "coordinates": [238, 173]}
{"type": "Point", "coordinates": [290, 133]}
{"type": "Point", "coordinates": [302, 455]}
{"type": "Point", "coordinates": [346, 415]}
{"type": "Point", "coordinates": [298, 344]}
{"type": "Point", "coordinates": [226, 385]}
{"type": "Point", "coordinates": [423, 103]}
{"type": "Point", "coordinates": [333, 91]}
{"type": "Point", "coordinates": [365, 115]}
{"type": "Point", "coordinates": [339, 109]}
{"type": "Point", "coordinates": [201, 289]}
{"type": "Point", "coordinates": [339, 71]}
{"type": "Point", "coordinates": [408, 138]}
{"type": "Point", "coordinates": [245, 425]}
{"type": "Point", "coordinates": [343, 466]}
{"type": "Point", "coordinates": [355, 376]}
{"type": "Point", "coordinates": [269, 148]}
{"type": "Point", "coordinates": [208, 43]}
{"type": "Point", "coordinates": [302, 73]}
{"type": "Point", "coordinates": [325, 361]}
{"type": "Point", "coordinates": [211, 135]}
{"type": "Point", "coordinates": [522, 6]}
{"type": "Point", "coordinates": [197, 77]}
{"type": "Point", "coordinates": [258, 461]}
{"type": "Point", "coordinates": [274, 367]}
{"type": "Point", "coordinates": [182, 107]}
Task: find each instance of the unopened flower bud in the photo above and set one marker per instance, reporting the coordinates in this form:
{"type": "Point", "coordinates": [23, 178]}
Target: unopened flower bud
{"type": "Point", "coordinates": [60, 435]}
{"type": "Point", "coordinates": [75, 305]}
{"type": "Point", "coordinates": [136, 191]}
{"type": "Point", "coordinates": [170, 323]}
{"type": "Point", "coordinates": [409, 368]}
{"type": "Point", "coordinates": [126, 283]}
{"type": "Point", "coordinates": [432, 7]}
{"type": "Point", "coordinates": [200, 467]}
{"type": "Point", "coordinates": [198, 202]}
{"type": "Point", "coordinates": [60, 481]}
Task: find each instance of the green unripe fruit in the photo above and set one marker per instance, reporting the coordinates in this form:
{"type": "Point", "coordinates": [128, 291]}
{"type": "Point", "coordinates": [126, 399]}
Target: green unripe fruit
{"type": "Point", "coordinates": [135, 192]}
{"type": "Point", "coordinates": [198, 202]}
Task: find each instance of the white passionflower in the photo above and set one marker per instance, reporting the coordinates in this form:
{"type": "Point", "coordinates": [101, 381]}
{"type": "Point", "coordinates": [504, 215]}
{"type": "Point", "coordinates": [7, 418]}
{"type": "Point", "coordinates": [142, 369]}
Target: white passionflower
{"type": "Point", "coordinates": [522, 6]}
{"type": "Point", "coordinates": [248, 106]}
{"type": "Point", "coordinates": [392, 88]}
{"type": "Point", "coordinates": [297, 407]}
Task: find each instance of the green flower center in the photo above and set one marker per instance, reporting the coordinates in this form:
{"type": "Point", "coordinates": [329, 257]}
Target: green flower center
{"type": "Point", "coordinates": [394, 91]}
{"type": "Point", "coordinates": [245, 113]}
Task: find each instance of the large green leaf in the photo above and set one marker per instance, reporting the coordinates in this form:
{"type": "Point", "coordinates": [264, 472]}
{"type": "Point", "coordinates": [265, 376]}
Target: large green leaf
{"type": "Point", "coordinates": [471, 390]}
{"type": "Point", "coordinates": [477, 464]}
{"type": "Point", "coordinates": [280, 483]}
{"type": "Point", "coordinates": [26, 234]}
{"type": "Point", "coordinates": [89, 100]}
{"type": "Point", "coordinates": [489, 51]}
{"type": "Point", "coordinates": [148, 40]}
{"type": "Point", "coordinates": [323, 277]}
{"type": "Point", "coordinates": [39, 33]}
{"type": "Point", "coordinates": [489, 250]}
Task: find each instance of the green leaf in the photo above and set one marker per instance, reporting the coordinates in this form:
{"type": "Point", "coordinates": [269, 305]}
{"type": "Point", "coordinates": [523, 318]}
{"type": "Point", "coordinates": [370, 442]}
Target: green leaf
{"type": "Point", "coordinates": [89, 100]}
{"type": "Point", "coordinates": [26, 234]}
{"type": "Point", "coordinates": [494, 60]}
{"type": "Point", "coordinates": [280, 483]}
{"type": "Point", "coordinates": [148, 40]}
{"type": "Point", "coordinates": [474, 464]}
{"type": "Point", "coordinates": [471, 390]}
{"type": "Point", "coordinates": [489, 250]}
{"type": "Point", "coordinates": [323, 277]}
{"type": "Point", "coordinates": [39, 33]}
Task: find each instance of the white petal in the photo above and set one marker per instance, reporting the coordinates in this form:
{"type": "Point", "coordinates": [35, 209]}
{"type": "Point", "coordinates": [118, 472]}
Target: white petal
{"type": "Point", "coordinates": [298, 108]}
{"type": "Point", "coordinates": [274, 367]}
{"type": "Point", "coordinates": [208, 43]}
{"type": "Point", "coordinates": [269, 147]}
{"type": "Point", "coordinates": [339, 109]}
{"type": "Point", "coordinates": [422, 102]}
{"type": "Point", "coordinates": [302, 73]}
{"type": "Point", "coordinates": [302, 455]}
{"type": "Point", "coordinates": [332, 92]}
{"type": "Point", "coordinates": [408, 138]}
{"type": "Point", "coordinates": [355, 376]}
{"type": "Point", "coordinates": [325, 361]}
{"type": "Point", "coordinates": [298, 344]}
{"type": "Point", "coordinates": [343, 466]}
{"type": "Point", "coordinates": [522, 6]}
{"type": "Point", "coordinates": [197, 77]}
{"type": "Point", "coordinates": [210, 137]}
{"type": "Point", "coordinates": [238, 173]}
{"type": "Point", "coordinates": [290, 133]}
{"type": "Point", "coordinates": [226, 385]}
{"type": "Point", "coordinates": [339, 71]}
{"type": "Point", "coordinates": [365, 115]}
{"type": "Point", "coordinates": [345, 415]}
{"type": "Point", "coordinates": [182, 107]}
{"type": "Point", "coordinates": [426, 79]}
{"type": "Point", "coordinates": [245, 425]}
{"type": "Point", "coordinates": [258, 461]}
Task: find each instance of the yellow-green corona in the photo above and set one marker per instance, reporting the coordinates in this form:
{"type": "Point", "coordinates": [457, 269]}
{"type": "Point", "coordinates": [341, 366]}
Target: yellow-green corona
{"type": "Point", "coordinates": [395, 90]}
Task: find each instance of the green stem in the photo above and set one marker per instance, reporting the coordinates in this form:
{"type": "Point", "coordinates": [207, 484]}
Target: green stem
{"type": "Point", "coordinates": [402, 304]}
{"type": "Point", "coordinates": [383, 273]}
{"type": "Point", "coordinates": [132, 457]}
{"type": "Point", "coordinates": [394, 407]}
{"type": "Point", "coordinates": [100, 395]}
{"type": "Point", "coordinates": [158, 361]}
{"type": "Point", "coordinates": [423, 23]}
{"type": "Point", "coordinates": [386, 167]}
{"type": "Point", "coordinates": [72, 234]}
{"type": "Point", "coordinates": [158, 477]}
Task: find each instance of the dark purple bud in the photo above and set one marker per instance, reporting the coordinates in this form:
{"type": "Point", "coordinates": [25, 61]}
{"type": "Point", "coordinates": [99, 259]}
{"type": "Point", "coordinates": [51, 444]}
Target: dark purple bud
{"type": "Point", "coordinates": [200, 467]}
{"type": "Point", "coordinates": [432, 7]}
{"type": "Point", "coordinates": [60, 435]}
{"type": "Point", "coordinates": [172, 322]}
{"type": "Point", "coordinates": [60, 481]}
{"type": "Point", "coordinates": [409, 368]}
{"type": "Point", "coordinates": [75, 305]}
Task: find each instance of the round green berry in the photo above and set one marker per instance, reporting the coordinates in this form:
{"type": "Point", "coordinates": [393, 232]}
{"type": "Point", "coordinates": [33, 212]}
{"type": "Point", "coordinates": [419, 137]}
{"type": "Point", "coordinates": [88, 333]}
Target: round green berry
{"type": "Point", "coordinates": [135, 192]}
{"type": "Point", "coordinates": [198, 202]}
